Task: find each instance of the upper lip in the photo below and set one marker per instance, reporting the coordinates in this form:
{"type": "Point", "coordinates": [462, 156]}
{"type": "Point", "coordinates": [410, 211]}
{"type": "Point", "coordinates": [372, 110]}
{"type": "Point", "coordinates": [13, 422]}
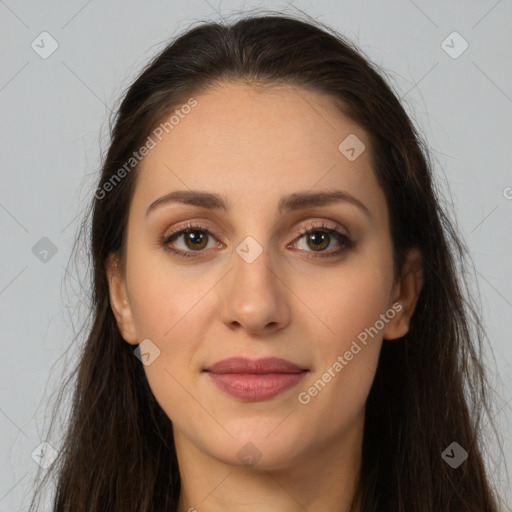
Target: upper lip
{"type": "Point", "coordinates": [254, 366]}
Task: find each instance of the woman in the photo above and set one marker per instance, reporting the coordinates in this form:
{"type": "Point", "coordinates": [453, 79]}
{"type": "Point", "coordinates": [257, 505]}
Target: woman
{"type": "Point", "coordinates": [278, 318]}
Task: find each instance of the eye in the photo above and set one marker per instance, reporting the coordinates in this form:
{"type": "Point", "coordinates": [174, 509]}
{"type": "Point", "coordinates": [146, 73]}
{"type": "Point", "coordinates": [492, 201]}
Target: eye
{"type": "Point", "coordinates": [195, 238]}
{"type": "Point", "coordinates": [319, 238]}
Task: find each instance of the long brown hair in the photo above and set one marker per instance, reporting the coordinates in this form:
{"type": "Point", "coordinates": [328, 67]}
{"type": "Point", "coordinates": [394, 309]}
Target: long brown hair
{"type": "Point", "coordinates": [430, 388]}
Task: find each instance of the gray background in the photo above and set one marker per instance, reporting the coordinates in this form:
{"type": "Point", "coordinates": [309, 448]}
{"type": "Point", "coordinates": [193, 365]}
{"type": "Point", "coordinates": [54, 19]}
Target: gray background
{"type": "Point", "coordinates": [54, 116]}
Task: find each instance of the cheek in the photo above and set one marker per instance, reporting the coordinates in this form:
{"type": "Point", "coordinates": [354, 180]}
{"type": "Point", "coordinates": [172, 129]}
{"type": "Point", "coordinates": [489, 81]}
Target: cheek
{"type": "Point", "coordinates": [165, 299]}
{"type": "Point", "coordinates": [350, 299]}
{"type": "Point", "coordinates": [170, 307]}
{"type": "Point", "coordinates": [350, 304]}
{"type": "Point", "coordinates": [346, 356]}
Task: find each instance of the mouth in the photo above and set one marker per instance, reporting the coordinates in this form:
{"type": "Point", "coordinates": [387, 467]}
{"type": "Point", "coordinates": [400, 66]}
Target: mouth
{"type": "Point", "coordinates": [255, 380]}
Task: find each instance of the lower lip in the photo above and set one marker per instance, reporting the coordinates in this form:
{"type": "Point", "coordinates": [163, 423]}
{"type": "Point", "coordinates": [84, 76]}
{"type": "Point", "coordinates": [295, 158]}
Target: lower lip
{"type": "Point", "coordinates": [252, 387]}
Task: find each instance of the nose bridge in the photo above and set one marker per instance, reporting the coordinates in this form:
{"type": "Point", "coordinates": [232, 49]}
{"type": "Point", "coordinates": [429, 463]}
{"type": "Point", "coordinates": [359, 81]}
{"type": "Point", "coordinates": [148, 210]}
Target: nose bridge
{"type": "Point", "coordinates": [255, 298]}
{"type": "Point", "coordinates": [253, 265]}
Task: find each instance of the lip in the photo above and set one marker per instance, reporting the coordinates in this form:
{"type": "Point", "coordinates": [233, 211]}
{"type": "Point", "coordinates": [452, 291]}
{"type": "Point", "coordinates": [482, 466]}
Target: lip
{"type": "Point", "coordinates": [254, 366]}
{"type": "Point", "coordinates": [255, 379]}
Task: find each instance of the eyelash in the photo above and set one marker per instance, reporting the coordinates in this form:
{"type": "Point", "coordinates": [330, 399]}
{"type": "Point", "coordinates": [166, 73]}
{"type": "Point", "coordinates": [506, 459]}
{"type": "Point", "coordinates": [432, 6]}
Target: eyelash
{"type": "Point", "coordinates": [323, 228]}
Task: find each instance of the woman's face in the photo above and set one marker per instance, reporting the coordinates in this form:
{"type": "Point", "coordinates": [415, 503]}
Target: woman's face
{"type": "Point", "coordinates": [250, 284]}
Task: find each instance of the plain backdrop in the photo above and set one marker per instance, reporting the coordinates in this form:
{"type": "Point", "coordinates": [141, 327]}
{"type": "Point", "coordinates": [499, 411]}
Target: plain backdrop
{"type": "Point", "coordinates": [64, 67]}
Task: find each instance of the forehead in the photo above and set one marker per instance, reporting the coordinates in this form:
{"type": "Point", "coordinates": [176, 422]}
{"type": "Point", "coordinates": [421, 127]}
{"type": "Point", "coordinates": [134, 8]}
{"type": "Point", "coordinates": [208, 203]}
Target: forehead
{"type": "Point", "coordinates": [259, 142]}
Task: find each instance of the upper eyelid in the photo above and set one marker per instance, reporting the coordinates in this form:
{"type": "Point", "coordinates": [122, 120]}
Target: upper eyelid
{"type": "Point", "coordinates": [207, 225]}
{"type": "Point", "coordinates": [202, 225]}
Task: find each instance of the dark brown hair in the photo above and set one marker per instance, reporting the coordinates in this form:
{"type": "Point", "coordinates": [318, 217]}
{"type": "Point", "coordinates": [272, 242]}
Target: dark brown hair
{"type": "Point", "coordinates": [430, 388]}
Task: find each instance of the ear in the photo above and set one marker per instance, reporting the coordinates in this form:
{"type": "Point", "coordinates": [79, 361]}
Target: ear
{"type": "Point", "coordinates": [119, 300]}
{"type": "Point", "coordinates": [405, 294]}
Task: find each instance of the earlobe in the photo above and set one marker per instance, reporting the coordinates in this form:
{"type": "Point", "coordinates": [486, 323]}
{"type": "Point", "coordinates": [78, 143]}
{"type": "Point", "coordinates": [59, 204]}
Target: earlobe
{"type": "Point", "coordinates": [406, 294]}
{"type": "Point", "coordinates": [119, 300]}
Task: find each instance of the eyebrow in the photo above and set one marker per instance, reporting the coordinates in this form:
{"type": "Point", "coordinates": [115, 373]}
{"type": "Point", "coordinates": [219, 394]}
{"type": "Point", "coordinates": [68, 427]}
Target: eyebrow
{"type": "Point", "coordinates": [291, 202]}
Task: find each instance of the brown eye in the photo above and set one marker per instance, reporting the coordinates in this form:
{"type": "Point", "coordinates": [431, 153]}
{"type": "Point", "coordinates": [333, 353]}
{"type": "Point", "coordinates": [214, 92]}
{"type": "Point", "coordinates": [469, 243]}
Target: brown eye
{"type": "Point", "coordinates": [189, 240]}
{"type": "Point", "coordinates": [318, 238]}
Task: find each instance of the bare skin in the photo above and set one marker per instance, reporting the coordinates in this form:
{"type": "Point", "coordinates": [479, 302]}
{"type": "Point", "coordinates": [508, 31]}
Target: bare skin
{"type": "Point", "coordinates": [253, 146]}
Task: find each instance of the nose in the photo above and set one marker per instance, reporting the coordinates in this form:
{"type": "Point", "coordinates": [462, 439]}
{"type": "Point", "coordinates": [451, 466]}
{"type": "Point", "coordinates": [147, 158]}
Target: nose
{"type": "Point", "coordinates": [255, 297]}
